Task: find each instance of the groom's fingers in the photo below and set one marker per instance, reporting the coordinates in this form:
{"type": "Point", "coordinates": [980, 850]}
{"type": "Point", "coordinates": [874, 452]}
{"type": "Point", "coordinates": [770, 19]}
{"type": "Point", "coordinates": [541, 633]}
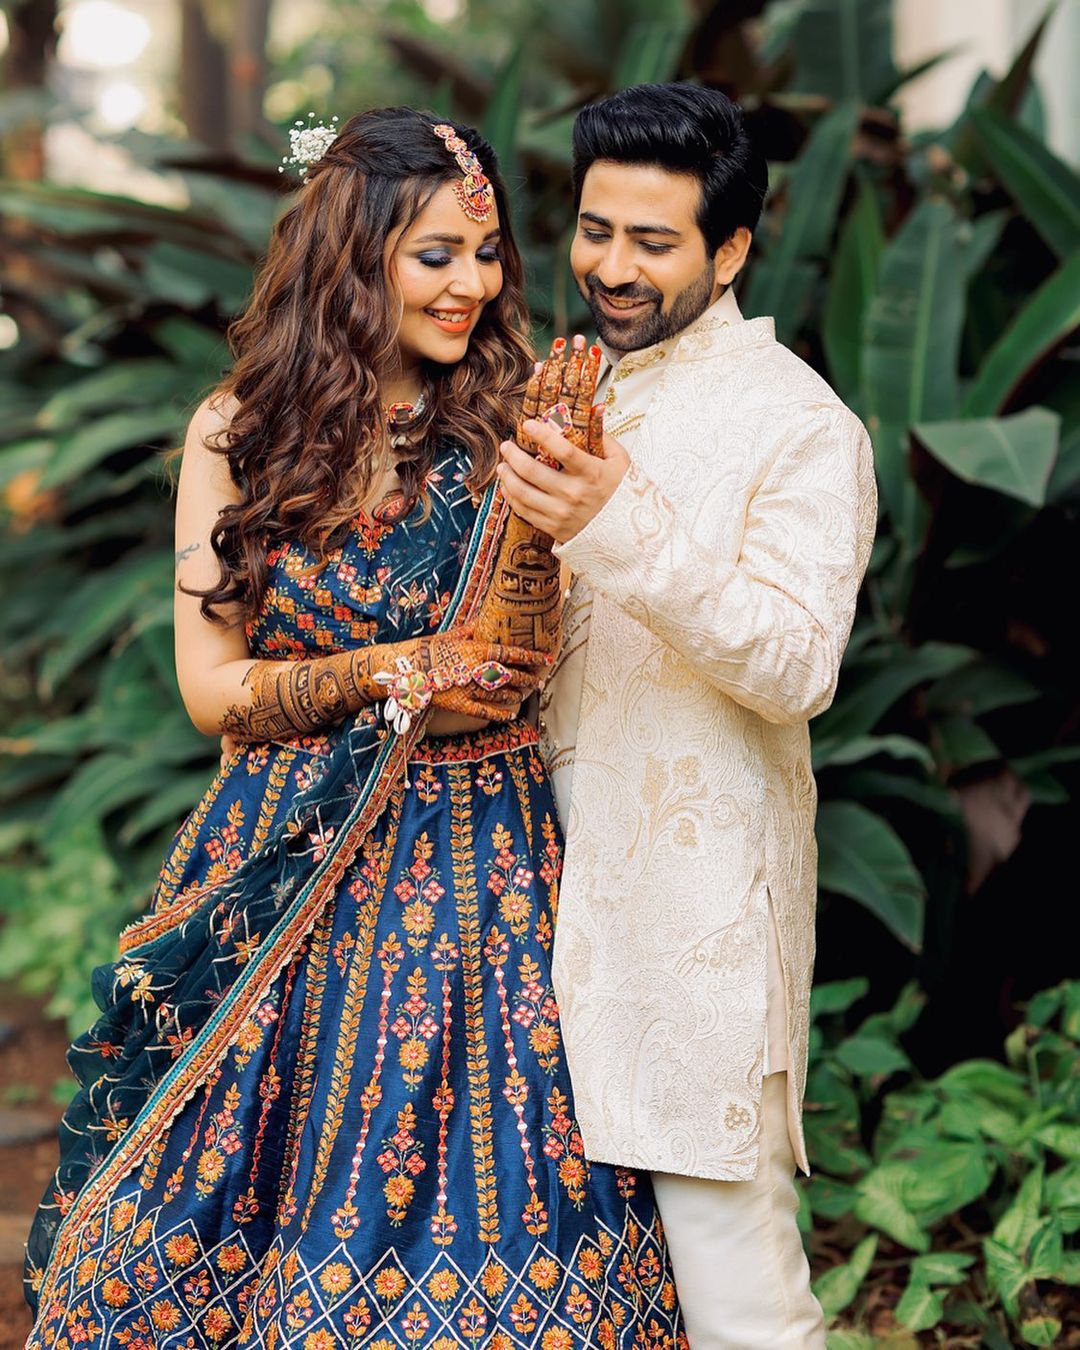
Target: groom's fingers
{"type": "Point", "coordinates": [524, 498]}
{"type": "Point", "coordinates": [530, 469]}
{"type": "Point", "coordinates": [561, 450]}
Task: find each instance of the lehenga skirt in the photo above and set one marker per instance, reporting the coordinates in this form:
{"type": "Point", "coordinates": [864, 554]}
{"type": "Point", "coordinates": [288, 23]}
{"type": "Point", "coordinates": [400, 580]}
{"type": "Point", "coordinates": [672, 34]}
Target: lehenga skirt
{"type": "Point", "coordinates": [387, 1154]}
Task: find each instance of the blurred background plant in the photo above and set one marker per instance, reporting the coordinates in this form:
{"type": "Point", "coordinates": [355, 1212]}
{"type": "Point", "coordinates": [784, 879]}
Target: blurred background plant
{"type": "Point", "coordinates": [932, 275]}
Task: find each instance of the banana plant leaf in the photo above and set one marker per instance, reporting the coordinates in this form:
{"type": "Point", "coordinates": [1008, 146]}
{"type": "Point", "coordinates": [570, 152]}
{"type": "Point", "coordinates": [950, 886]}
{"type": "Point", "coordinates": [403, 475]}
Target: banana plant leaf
{"type": "Point", "coordinates": [1044, 188]}
{"type": "Point", "coordinates": [1014, 455]}
{"type": "Point", "coordinates": [1064, 481]}
{"type": "Point", "coordinates": [87, 446]}
{"type": "Point", "coordinates": [855, 749]}
{"type": "Point", "coordinates": [71, 212]}
{"type": "Point", "coordinates": [193, 277]}
{"type": "Point", "coordinates": [504, 114]}
{"type": "Point", "coordinates": [1010, 96]}
{"type": "Point", "coordinates": [650, 52]}
{"type": "Point", "coordinates": [122, 384]}
{"type": "Point", "coordinates": [1048, 317]}
{"type": "Point", "coordinates": [980, 688]}
{"type": "Point", "coordinates": [912, 336]}
{"type": "Point", "coordinates": [862, 857]}
{"type": "Point", "coordinates": [870, 688]}
{"type": "Point", "coordinates": [843, 49]}
{"type": "Point", "coordinates": [855, 268]}
{"type": "Point", "coordinates": [781, 281]}
{"type": "Point", "coordinates": [92, 614]}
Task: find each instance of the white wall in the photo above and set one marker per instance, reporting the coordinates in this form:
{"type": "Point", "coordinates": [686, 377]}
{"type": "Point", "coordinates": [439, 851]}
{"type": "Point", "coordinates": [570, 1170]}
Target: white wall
{"type": "Point", "coordinates": [989, 32]}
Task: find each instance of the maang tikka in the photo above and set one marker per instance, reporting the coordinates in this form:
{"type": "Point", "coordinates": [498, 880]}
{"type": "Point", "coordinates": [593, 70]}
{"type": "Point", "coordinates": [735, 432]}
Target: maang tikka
{"type": "Point", "coordinates": [475, 195]}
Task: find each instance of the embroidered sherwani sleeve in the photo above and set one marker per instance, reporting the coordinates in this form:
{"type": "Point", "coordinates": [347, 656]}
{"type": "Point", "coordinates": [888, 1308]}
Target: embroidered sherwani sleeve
{"type": "Point", "coordinates": [768, 630]}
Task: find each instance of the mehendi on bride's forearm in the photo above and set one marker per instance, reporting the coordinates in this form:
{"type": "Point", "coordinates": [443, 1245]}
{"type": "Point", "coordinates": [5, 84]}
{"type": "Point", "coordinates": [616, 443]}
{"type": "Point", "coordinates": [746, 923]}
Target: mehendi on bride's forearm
{"type": "Point", "coordinates": [523, 606]}
{"type": "Point", "coordinates": [290, 698]}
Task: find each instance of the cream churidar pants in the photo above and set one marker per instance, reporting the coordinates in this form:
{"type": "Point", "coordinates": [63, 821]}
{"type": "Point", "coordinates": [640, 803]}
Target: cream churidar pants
{"type": "Point", "coordinates": [740, 1269]}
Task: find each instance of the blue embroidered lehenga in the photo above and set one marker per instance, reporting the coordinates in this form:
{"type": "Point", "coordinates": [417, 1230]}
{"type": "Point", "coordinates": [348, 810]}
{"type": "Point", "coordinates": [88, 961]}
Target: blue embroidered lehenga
{"type": "Point", "coordinates": [326, 1104]}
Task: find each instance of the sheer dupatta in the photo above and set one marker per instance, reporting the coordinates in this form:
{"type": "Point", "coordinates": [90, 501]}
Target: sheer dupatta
{"type": "Point", "coordinates": [186, 981]}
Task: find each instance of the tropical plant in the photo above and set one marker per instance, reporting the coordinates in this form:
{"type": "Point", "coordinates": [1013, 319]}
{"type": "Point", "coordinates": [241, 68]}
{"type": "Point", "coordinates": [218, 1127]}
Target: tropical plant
{"type": "Point", "coordinates": [933, 281]}
{"type": "Point", "coordinates": [955, 1201]}
{"type": "Point", "coordinates": [122, 307]}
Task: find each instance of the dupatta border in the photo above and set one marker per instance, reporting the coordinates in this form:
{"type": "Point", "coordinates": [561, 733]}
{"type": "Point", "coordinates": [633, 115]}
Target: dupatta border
{"type": "Point", "coordinates": [186, 1076]}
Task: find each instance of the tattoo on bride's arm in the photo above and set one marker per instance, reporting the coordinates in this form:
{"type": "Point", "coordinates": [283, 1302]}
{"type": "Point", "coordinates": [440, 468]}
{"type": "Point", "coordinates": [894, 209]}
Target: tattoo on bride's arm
{"type": "Point", "coordinates": [186, 552]}
{"type": "Point", "coordinates": [300, 697]}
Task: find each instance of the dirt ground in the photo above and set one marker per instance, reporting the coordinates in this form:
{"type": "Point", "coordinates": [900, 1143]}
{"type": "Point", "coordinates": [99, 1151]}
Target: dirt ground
{"type": "Point", "coordinates": [31, 1061]}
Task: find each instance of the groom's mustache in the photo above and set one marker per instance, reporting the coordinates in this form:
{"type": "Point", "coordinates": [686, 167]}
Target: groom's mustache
{"type": "Point", "coordinates": [627, 292]}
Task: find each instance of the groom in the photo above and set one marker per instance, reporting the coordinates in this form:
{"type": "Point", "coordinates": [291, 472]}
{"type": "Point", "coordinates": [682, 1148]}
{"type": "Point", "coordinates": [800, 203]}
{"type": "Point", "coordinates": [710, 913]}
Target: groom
{"type": "Point", "coordinates": [717, 550]}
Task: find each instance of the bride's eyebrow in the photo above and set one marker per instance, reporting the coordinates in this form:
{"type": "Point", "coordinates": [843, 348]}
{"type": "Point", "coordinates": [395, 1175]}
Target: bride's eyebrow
{"type": "Point", "coordinates": [453, 238]}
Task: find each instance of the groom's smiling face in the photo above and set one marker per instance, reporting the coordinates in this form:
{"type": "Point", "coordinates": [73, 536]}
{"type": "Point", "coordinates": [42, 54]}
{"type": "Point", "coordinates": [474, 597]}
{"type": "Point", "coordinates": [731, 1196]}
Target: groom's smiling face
{"type": "Point", "coordinates": [639, 256]}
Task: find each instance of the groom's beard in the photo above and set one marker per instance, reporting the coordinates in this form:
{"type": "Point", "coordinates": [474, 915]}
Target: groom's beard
{"type": "Point", "coordinates": [631, 335]}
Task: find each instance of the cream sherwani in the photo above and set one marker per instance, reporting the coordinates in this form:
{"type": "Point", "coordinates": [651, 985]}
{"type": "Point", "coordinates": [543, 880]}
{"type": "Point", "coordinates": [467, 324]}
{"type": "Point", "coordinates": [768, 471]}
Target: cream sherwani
{"type": "Point", "coordinates": [716, 590]}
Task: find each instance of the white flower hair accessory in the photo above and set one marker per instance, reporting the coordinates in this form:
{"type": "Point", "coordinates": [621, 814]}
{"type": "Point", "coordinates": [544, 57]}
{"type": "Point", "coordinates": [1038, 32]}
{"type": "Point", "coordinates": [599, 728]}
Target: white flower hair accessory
{"type": "Point", "coordinates": [308, 142]}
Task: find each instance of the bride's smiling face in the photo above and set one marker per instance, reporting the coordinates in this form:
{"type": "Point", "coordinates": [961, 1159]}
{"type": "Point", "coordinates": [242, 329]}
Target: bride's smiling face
{"type": "Point", "coordinates": [445, 269]}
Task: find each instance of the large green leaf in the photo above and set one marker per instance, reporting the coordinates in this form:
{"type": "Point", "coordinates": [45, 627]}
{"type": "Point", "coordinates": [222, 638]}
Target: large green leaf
{"type": "Point", "coordinates": [837, 996]}
{"type": "Point", "coordinates": [871, 1056]}
{"type": "Point", "coordinates": [862, 857]}
{"type": "Point", "coordinates": [93, 613]}
{"type": "Point", "coordinates": [843, 49]}
{"type": "Point", "coordinates": [870, 688]}
{"type": "Point", "coordinates": [838, 1286]}
{"type": "Point", "coordinates": [1021, 1221]}
{"type": "Point", "coordinates": [168, 806]}
{"type": "Point", "coordinates": [88, 445]}
{"type": "Point", "coordinates": [650, 52]}
{"type": "Point", "coordinates": [855, 267]}
{"type": "Point", "coordinates": [780, 282]}
{"type": "Point", "coordinates": [882, 1203]}
{"type": "Point", "coordinates": [1013, 455]}
{"type": "Point", "coordinates": [195, 346]}
{"type": "Point", "coordinates": [504, 114]}
{"type": "Point", "coordinates": [121, 384]}
{"type": "Point", "coordinates": [920, 1306]}
{"type": "Point", "coordinates": [946, 1176]}
{"type": "Point", "coordinates": [856, 749]}
{"type": "Point", "coordinates": [869, 784]}
{"type": "Point", "coordinates": [192, 277]}
{"type": "Point", "coordinates": [1050, 315]}
{"type": "Point", "coordinates": [1064, 481]}
{"type": "Point", "coordinates": [913, 329]}
{"type": "Point", "coordinates": [1045, 189]}
{"type": "Point", "coordinates": [76, 211]}
{"type": "Point", "coordinates": [982, 687]}
{"type": "Point", "coordinates": [101, 785]}
{"type": "Point", "coordinates": [1010, 96]}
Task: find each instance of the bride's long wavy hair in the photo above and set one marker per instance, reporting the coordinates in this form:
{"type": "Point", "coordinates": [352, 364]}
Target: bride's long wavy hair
{"type": "Point", "coordinates": [306, 433]}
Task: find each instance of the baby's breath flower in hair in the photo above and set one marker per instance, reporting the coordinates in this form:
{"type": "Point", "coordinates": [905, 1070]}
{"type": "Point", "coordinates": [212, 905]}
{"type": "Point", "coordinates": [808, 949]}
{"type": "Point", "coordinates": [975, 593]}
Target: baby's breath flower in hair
{"type": "Point", "coordinates": [308, 142]}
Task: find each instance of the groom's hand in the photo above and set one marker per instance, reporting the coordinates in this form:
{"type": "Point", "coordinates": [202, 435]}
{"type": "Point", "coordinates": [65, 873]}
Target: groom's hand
{"type": "Point", "coordinates": [560, 501]}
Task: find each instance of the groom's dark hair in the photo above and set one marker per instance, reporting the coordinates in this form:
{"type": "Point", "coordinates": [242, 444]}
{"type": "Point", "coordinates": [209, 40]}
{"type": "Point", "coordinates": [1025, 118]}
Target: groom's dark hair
{"type": "Point", "coordinates": [684, 129]}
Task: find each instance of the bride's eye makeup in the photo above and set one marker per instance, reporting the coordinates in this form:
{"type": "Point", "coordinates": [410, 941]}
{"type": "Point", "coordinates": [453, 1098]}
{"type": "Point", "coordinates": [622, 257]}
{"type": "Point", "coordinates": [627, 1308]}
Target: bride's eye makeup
{"type": "Point", "coordinates": [488, 254]}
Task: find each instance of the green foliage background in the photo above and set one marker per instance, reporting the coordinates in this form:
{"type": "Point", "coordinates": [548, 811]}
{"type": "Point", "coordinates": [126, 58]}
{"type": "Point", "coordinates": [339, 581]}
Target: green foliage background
{"type": "Point", "coordinates": [935, 280]}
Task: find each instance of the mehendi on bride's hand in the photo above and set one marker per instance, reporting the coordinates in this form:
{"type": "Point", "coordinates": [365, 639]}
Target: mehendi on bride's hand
{"type": "Point", "coordinates": [524, 603]}
{"type": "Point", "coordinates": [290, 698]}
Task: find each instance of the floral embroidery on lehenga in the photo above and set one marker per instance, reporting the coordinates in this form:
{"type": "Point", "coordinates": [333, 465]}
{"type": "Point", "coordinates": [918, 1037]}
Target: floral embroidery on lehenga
{"type": "Point", "coordinates": [384, 1153]}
